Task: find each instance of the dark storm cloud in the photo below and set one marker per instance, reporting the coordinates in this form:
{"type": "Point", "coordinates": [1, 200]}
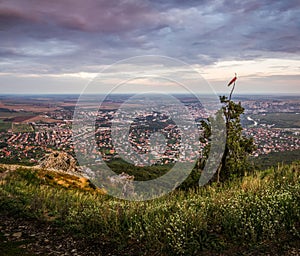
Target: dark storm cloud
{"type": "Point", "coordinates": [73, 35]}
{"type": "Point", "coordinates": [89, 15]}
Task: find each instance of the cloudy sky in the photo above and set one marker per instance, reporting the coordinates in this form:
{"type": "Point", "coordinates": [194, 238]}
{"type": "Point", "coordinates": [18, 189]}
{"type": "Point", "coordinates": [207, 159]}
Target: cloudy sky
{"type": "Point", "coordinates": [58, 46]}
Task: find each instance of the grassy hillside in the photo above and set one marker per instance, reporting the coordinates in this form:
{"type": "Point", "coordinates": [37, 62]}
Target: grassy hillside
{"type": "Point", "coordinates": [252, 216]}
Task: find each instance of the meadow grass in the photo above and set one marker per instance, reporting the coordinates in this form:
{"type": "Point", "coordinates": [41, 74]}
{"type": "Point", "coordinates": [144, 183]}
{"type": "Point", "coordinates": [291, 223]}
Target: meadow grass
{"type": "Point", "coordinates": [261, 207]}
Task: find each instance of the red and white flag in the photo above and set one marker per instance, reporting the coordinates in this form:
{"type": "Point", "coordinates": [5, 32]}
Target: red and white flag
{"type": "Point", "coordinates": [232, 80]}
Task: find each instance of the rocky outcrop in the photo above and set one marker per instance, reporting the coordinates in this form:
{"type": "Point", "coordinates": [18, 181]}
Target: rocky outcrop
{"type": "Point", "coordinates": [60, 161]}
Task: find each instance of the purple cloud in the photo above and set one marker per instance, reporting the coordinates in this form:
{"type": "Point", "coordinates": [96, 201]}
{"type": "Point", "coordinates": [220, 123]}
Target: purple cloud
{"type": "Point", "coordinates": [72, 35]}
{"type": "Point", "coordinates": [90, 15]}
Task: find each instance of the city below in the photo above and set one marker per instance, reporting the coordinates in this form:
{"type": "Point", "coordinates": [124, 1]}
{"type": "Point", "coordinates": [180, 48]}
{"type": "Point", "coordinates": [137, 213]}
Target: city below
{"type": "Point", "coordinates": [32, 126]}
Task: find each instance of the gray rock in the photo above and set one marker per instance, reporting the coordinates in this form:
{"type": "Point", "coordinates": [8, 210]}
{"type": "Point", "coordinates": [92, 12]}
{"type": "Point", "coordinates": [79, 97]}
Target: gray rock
{"type": "Point", "coordinates": [17, 234]}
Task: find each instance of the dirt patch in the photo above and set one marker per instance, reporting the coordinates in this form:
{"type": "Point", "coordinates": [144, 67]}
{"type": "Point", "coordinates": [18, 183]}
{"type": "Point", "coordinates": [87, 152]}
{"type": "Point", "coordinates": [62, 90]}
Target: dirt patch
{"type": "Point", "coordinates": [38, 238]}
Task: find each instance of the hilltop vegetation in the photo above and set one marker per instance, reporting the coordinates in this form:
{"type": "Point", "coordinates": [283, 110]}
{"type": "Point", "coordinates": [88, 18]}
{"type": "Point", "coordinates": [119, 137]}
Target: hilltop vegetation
{"type": "Point", "coordinates": [249, 216]}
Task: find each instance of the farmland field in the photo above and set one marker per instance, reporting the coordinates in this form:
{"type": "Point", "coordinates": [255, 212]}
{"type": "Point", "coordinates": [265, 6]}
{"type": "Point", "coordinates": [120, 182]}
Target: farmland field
{"type": "Point", "coordinates": [279, 120]}
{"type": "Point", "coordinates": [4, 126]}
{"type": "Point", "coordinates": [22, 128]}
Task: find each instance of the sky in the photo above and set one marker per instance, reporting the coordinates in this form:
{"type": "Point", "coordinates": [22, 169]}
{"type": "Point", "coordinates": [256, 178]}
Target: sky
{"type": "Point", "coordinates": [59, 46]}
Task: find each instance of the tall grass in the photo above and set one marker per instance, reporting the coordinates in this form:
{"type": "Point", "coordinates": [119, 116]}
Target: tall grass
{"type": "Point", "coordinates": [259, 207]}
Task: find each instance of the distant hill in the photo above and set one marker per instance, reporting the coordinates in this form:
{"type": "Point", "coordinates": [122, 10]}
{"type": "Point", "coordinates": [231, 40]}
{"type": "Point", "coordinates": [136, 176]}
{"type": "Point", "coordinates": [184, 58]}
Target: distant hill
{"type": "Point", "coordinates": [274, 158]}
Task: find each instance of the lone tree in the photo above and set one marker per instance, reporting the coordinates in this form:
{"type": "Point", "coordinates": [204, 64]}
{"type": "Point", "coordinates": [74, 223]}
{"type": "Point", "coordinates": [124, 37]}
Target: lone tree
{"type": "Point", "coordinates": [238, 147]}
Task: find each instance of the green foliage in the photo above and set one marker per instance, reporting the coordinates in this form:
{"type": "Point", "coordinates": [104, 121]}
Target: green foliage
{"type": "Point", "coordinates": [261, 207]}
{"type": "Point", "coordinates": [238, 147]}
{"type": "Point", "coordinates": [235, 159]}
{"type": "Point", "coordinates": [139, 173]}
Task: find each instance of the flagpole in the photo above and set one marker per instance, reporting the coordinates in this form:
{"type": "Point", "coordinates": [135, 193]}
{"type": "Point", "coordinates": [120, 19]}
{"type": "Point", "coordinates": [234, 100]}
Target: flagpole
{"type": "Point", "coordinates": [232, 88]}
{"type": "Point", "coordinates": [231, 91]}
